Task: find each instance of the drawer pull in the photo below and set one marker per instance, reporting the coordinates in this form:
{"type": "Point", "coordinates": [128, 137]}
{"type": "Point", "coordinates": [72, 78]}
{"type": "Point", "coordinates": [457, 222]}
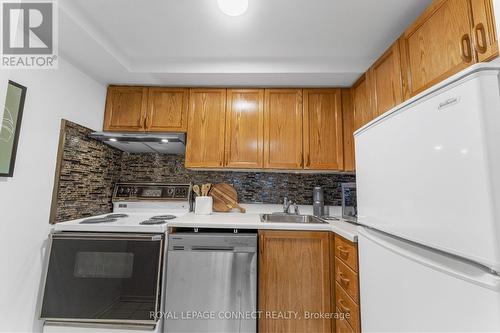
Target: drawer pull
{"type": "Point", "coordinates": [343, 307]}
{"type": "Point", "coordinates": [345, 281]}
{"type": "Point", "coordinates": [343, 251]}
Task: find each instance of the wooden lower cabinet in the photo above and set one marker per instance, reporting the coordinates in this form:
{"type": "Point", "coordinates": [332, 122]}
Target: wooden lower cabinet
{"type": "Point", "coordinates": [344, 258]}
{"type": "Point", "coordinates": [294, 277]}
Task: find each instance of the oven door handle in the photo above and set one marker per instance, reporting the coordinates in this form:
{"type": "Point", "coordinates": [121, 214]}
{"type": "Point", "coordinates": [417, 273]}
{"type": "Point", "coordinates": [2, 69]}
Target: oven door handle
{"type": "Point", "coordinates": [106, 236]}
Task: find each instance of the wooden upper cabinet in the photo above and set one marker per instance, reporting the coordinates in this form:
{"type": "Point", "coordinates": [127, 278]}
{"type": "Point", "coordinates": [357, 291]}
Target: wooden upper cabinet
{"type": "Point", "coordinates": [323, 135]}
{"type": "Point", "coordinates": [348, 129]}
{"type": "Point", "coordinates": [485, 34]}
{"type": "Point", "coordinates": [385, 78]}
{"type": "Point", "coordinates": [167, 109]}
{"type": "Point", "coordinates": [283, 129]}
{"type": "Point", "coordinates": [206, 120]}
{"type": "Point", "coordinates": [294, 275]}
{"type": "Point", "coordinates": [244, 128]}
{"type": "Point", "coordinates": [437, 45]}
{"type": "Point", "coordinates": [125, 109]}
{"type": "Point", "coordinates": [361, 97]}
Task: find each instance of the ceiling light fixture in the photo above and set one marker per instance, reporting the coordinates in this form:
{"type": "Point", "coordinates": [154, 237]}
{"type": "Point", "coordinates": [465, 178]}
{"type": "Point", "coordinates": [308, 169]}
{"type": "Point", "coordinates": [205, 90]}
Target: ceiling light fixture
{"type": "Point", "coordinates": [233, 7]}
{"type": "Point", "coordinates": [164, 140]}
{"type": "Point", "coordinates": [113, 140]}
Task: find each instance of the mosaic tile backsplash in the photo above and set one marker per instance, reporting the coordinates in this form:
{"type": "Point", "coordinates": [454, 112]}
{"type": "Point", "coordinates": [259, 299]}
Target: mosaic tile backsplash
{"type": "Point", "coordinates": [89, 170]}
{"type": "Point", "coordinates": [262, 187]}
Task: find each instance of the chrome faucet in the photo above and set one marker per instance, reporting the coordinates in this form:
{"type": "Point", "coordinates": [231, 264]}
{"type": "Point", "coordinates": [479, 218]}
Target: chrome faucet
{"type": "Point", "coordinates": [287, 203]}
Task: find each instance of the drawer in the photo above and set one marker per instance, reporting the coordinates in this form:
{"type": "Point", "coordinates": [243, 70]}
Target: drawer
{"type": "Point", "coordinates": [342, 326]}
{"type": "Point", "coordinates": [347, 279]}
{"type": "Point", "coordinates": [347, 252]}
{"type": "Point", "coordinates": [347, 306]}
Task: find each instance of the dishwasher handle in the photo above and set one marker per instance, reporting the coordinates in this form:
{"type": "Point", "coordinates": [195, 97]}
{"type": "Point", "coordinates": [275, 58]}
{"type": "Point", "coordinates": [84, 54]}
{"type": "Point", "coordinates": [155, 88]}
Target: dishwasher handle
{"type": "Point", "coordinates": [245, 243]}
{"type": "Point", "coordinates": [213, 248]}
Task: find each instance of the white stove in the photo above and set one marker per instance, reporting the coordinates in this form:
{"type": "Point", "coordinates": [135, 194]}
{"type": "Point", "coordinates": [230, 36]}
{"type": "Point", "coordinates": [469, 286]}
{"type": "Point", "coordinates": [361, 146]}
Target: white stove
{"type": "Point", "coordinates": [119, 256]}
{"type": "Point", "coordinates": [143, 208]}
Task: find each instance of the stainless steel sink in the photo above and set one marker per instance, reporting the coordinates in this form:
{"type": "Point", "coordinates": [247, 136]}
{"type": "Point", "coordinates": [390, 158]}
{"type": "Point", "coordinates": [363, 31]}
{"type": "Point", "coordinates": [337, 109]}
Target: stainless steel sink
{"type": "Point", "coordinates": [290, 218]}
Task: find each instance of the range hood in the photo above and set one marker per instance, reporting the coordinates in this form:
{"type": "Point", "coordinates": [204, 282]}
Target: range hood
{"type": "Point", "coordinates": [162, 143]}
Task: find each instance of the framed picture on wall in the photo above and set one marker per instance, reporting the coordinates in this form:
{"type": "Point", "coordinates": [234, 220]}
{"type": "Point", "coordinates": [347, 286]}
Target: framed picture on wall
{"type": "Point", "coordinates": [11, 126]}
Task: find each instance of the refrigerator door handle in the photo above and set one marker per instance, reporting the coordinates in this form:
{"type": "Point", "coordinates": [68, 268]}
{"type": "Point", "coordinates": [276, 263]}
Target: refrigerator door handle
{"type": "Point", "coordinates": [436, 260]}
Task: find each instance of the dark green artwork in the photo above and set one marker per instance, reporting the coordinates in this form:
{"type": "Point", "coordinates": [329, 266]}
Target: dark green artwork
{"type": "Point", "coordinates": [11, 125]}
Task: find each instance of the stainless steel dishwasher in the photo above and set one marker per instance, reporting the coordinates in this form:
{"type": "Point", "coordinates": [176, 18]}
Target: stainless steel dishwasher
{"type": "Point", "coordinates": [211, 282]}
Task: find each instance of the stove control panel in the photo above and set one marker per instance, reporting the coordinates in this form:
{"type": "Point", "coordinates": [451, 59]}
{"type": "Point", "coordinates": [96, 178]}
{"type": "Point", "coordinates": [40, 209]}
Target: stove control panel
{"type": "Point", "coordinates": [151, 191]}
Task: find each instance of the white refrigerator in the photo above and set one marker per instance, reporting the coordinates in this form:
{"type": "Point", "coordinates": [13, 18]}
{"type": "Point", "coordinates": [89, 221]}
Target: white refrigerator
{"type": "Point", "coordinates": [428, 188]}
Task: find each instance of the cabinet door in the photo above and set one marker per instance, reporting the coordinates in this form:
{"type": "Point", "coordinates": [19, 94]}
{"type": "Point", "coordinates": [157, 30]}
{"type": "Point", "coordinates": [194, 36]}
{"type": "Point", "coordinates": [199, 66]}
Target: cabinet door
{"type": "Point", "coordinates": [167, 109]}
{"type": "Point", "coordinates": [348, 129]}
{"type": "Point", "coordinates": [323, 136]}
{"type": "Point", "coordinates": [437, 45]}
{"type": "Point", "coordinates": [385, 77]}
{"type": "Point", "coordinates": [206, 120]}
{"type": "Point", "coordinates": [283, 129]}
{"type": "Point", "coordinates": [294, 275]}
{"type": "Point", "coordinates": [361, 102]}
{"type": "Point", "coordinates": [126, 109]}
{"type": "Point", "coordinates": [485, 35]}
{"type": "Point", "coordinates": [244, 128]}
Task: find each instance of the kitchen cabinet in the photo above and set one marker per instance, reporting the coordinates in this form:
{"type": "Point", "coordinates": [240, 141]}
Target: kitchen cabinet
{"type": "Point", "coordinates": [139, 109]}
{"type": "Point", "coordinates": [346, 285]}
{"type": "Point", "coordinates": [348, 130]}
{"type": "Point", "coordinates": [362, 102]}
{"type": "Point", "coordinates": [484, 30]}
{"type": "Point", "coordinates": [244, 147]}
{"type": "Point", "coordinates": [323, 134]}
{"type": "Point", "coordinates": [294, 275]}
{"type": "Point", "coordinates": [448, 37]}
{"type": "Point", "coordinates": [386, 81]}
{"type": "Point", "coordinates": [206, 123]}
{"type": "Point", "coordinates": [283, 129]}
{"type": "Point", "coordinates": [167, 109]}
{"type": "Point", "coordinates": [125, 109]}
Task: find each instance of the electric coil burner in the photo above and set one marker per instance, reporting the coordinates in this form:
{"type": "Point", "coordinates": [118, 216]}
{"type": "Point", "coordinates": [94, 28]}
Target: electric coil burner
{"type": "Point", "coordinates": [98, 220]}
{"type": "Point", "coordinates": [138, 207]}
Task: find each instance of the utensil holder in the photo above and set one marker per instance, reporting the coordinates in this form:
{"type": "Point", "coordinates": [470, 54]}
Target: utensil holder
{"type": "Point", "coordinates": [203, 205]}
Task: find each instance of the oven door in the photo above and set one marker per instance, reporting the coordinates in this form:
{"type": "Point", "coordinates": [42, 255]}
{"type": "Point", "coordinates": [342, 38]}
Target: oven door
{"type": "Point", "coordinates": [103, 278]}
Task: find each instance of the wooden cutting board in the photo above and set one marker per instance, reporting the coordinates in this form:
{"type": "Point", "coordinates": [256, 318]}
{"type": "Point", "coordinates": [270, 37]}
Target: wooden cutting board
{"type": "Point", "coordinates": [225, 198]}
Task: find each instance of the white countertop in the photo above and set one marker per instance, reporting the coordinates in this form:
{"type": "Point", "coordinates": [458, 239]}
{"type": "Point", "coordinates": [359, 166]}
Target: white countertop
{"type": "Point", "coordinates": [251, 220]}
{"type": "Point", "coordinates": [236, 220]}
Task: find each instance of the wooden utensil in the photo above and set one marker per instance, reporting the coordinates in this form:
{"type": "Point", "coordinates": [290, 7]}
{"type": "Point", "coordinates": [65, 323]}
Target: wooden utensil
{"type": "Point", "coordinates": [225, 198]}
{"type": "Point", "coordinates": [196, 189]}
{"type": "Point", "coordinates": [205, 188]}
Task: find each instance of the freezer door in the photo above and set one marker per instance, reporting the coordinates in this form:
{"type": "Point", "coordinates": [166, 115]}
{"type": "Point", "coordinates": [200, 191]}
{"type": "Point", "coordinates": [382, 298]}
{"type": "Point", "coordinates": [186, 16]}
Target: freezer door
{"type": "Point", "coordinates": [430, 172]}
{"type": "Point", "coordinates": [406, 288]}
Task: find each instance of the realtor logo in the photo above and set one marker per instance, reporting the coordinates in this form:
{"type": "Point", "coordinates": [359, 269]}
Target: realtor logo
{"type": "Point", "coordinates": [29, 34]}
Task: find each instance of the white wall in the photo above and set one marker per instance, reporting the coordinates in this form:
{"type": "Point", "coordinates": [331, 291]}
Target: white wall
{"type": "Point", "coordinates": [25, 199]}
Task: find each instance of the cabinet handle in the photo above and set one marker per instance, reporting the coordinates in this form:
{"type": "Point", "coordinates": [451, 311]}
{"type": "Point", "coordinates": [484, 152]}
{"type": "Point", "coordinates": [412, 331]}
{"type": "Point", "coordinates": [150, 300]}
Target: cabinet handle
{"type": "Point", "coordinates": [345, 281]}
{"type": "Point", "coordinates": [302, 160]}
{"type": "Point", "coordinates": [308, 160]}
{"type": "Point", "coordinates": [343, 252]}
{"type": "Point", "coordinates": [343, 307]}
{"type": "Point", "coordinates": [480, 33]}
{"type": "Point", "coordinates": [466, 48]}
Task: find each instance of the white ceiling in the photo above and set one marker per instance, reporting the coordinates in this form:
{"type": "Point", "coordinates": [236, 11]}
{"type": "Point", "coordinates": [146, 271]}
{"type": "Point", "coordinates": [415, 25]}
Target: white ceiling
{"type": "Point", "coordinates": [190, 42]}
